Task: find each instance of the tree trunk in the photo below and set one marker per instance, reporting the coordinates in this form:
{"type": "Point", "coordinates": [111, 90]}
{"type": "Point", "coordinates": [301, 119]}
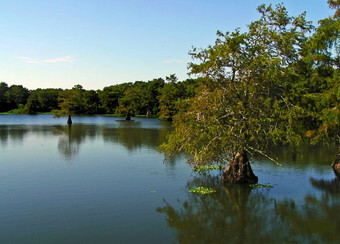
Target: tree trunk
{"type": "Point", "coordinates": [336, 164]}
{"type": "Point", "coordinates": [128, 117]}
{"type": "Point", "coordinates": [69, 120]}
{"type": "Point", "coordinates": [239, 170]}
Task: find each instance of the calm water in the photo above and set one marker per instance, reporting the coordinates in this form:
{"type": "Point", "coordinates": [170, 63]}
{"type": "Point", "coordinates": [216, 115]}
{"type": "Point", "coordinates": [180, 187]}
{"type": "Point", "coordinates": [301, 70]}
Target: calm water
{"type": "Point", "coordinates": [102, 180]}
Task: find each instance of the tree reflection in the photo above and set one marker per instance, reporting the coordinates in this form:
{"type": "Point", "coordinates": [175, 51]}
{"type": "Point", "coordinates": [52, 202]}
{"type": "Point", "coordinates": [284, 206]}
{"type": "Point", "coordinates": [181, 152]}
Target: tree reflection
{"type": "Point", "coordinates": [71, 137]}
{"type": "Point", "coordinates": [318, 219]}
{"type": "Point", "coordinates": [303, 154]}
{"type": "Point", "coordinates": [235, 214]}
{"type": "Point", "coordinates": [134, 138]}
{"type": "Point", "coordinates": [331, 187]}
{"type": "Point", "coordinates": [14, 133]}
{"type": "Point", "coordinates": [4, 133]}
{"type": "Point", "coordinates": [128, 134]}
{"type": "Point", "coordinates": [238, 214]}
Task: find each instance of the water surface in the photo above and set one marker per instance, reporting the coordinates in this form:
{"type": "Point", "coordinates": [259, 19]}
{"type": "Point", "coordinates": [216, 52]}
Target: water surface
{"type": "Point", "coordinates": [102, 180]}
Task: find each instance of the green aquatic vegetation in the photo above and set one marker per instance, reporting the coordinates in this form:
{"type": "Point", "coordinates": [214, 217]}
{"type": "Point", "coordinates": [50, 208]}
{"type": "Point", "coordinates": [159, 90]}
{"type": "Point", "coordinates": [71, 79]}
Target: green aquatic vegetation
{"type": "Point", "coordinates": [257, 186]}
{"type": "Point", "coordinates": [205, 168]}
{"type": "Point", "coordinates": [202, 190]}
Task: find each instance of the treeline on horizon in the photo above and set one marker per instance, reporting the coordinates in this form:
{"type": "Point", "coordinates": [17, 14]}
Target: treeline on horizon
{"type": "Point", "coordinates": [155, 98]}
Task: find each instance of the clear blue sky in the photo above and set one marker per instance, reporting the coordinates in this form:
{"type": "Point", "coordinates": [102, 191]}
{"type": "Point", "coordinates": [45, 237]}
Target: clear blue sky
{"type": "Point", "coordinates": [97, 43]}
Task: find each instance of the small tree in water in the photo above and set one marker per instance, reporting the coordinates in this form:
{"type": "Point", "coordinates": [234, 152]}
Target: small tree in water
{"type": "Point", "coordinates": [71, 102]}
{"type": "Point", "coordinates": [245, 102]}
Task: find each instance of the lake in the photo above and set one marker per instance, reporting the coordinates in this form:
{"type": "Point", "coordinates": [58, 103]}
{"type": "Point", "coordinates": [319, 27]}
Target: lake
{"type": "Point", "coordinates": [102, 180]}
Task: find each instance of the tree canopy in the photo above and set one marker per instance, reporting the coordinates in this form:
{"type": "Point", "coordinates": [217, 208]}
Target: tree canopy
{"type": "Point", "coordinates": [72, 102]}
{"type": "Point", "coordinates": [258, 87]}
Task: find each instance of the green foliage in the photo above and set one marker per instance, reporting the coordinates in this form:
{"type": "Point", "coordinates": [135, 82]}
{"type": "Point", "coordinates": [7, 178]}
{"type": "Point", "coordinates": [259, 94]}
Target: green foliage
{"type": "Point", "coordinates": [109, 96]}
{"type": "Point", "coordinates": [16, 95]}
{"type": "Point", "coordinates": [135, 98]}
{"type": "Point", "coordinates": [4, 106]}
{"type": "Point", "coordinates": [322, 54]}
{"type": "Point", "coordinates": [72, 102]}
{"type": "Point", "coordinates": [245, 101]}
{"type": "Point", "coordinates": [42, 100]}
{"type": "Point", "coordinates": [153, 91]}
{"type": "Point", "coordinates": [93, 102]}
{"type": "Point", "coordinates": [19, 110]}
{"type": "Point", "coordinates": [335, 4]}
{"type": "Point", "coordinates": [260, 186]}
{"type": "Point", "coordinates": [202, 190]}
{"type": "Point", "coordinates": [206, 168]}
{"type": "Point", "coordinates": [168, 100]}
{"type": "Point", "coordinates": [133, 101]}
{"type": "Point", "coordinates": [138, 98]}
{"type": "Point", "coordinates": [175, 96]}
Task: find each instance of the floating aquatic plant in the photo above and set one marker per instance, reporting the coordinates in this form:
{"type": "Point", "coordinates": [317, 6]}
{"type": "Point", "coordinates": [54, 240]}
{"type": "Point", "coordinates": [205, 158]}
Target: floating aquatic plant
{"type": "Point", "coordinates": [205, 168]}
{"type": "Point", "coordinates": [256, 186]}
{"type": "Point", "coordinates": [202, 190]}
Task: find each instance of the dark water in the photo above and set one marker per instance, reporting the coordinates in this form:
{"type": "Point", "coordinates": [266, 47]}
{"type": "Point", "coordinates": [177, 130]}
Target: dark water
{"type": "Point", "coordinates": [102, 180]}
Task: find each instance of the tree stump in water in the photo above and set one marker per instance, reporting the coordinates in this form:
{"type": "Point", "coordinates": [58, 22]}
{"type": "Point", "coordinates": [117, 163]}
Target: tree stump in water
{"type": "Point", "coordinates": [69, 120]}
{"type": "Point", "coordinates": [336, 165]}
{"type": "Point", "coordinates": [239, 170]}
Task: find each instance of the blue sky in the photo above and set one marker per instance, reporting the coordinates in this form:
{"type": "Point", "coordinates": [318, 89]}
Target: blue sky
{"type": "Point", "coordinates": [48, 43]}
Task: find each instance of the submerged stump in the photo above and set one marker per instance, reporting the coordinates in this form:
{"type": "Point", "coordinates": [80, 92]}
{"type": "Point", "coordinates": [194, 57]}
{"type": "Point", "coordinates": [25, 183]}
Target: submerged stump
{"type": "Point", "coordinates": [239, 170]}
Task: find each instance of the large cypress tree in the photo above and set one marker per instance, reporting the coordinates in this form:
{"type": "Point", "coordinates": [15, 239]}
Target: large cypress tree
{"type": "Point", "coordinates": [245, 101]}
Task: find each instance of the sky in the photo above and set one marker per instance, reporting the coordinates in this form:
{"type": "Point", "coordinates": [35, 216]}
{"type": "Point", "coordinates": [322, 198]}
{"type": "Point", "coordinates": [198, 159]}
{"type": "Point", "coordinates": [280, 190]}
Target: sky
{"type": "Point", "coordinates": [98, 43]}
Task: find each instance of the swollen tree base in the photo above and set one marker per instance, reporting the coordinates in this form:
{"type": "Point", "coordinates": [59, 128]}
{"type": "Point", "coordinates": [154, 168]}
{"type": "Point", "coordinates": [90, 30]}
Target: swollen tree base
{"type": "Point", "coordinates": [336, 165]}
{"type": "Point", "coordinates": [239, 170]}
{"type": "Point", "coordinates": [69, 120]}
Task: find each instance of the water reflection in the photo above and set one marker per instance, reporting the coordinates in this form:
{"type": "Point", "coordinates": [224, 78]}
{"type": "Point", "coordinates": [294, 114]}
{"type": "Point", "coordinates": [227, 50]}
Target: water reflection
{"type": "Point", "coordinates": [72, 136]}
{"type": "Point", "coordinates": [237, 214]}
{"type": "Point", "coordinates": [109, 198]}
{"type": "Point", "coordinates": [130, 134]}
{"type": "Point", "coordinates": [134, 138]}
{"type": "Point", "coordinates": [331, 187]}
{"type": "Point", "coordinates": [318, 218]}
{"type": "Point", "coordinates": [234, 214]}
{"type": "Point", "coordinates": [304, 154]}
{"type": "Point", "coordinates": [13, 133]}
{"type": "Point", "coordinates": [129, 123]}
{"type": "Point", "coordinates": [4, 133]}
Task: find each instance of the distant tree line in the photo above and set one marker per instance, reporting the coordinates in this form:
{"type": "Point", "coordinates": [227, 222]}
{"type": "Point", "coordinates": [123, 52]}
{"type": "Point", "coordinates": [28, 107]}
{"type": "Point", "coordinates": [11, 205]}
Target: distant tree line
{"type": "Point", "coordinates": [155, 98]}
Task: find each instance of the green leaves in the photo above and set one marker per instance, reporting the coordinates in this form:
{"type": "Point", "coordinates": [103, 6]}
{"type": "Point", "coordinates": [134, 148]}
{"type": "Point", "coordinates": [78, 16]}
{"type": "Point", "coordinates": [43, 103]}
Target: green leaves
{"type": "Point", "coordinates": [253, 90]}
{"type": "Point", "coordinates": [205, 168]}
{"type": "Point", "coordinates": [261, 186]}
{"type": "Point", "coordinates": [202, 190]}
{"type": "Point", "coordinates": [72, 102]}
